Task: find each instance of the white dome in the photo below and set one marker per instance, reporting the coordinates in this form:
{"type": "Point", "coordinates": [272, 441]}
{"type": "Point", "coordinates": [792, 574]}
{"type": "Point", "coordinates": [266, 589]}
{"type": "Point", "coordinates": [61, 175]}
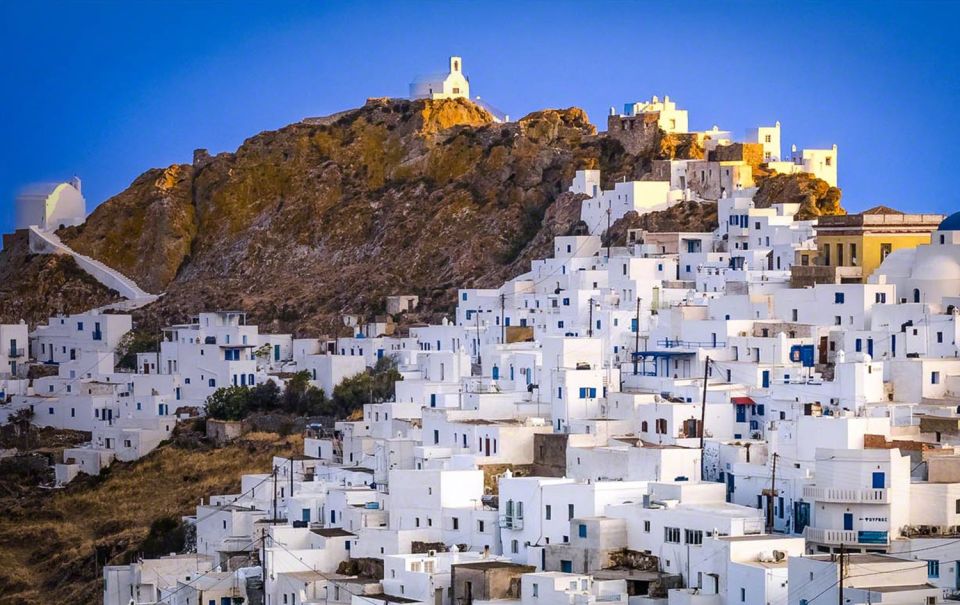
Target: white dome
{"type": "Point", "coordinates": [939, 267]}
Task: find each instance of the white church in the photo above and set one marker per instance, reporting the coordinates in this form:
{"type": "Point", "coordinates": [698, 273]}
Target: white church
{"type": "Point", "coordinates": [451, 85]}
{"type": "Point", "coordinates": [50, 206]}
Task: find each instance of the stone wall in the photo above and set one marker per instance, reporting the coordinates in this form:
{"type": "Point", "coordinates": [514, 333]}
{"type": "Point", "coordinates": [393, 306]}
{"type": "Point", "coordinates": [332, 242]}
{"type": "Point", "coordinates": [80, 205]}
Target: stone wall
{"type": "Point", "coordinates": [639, 135]}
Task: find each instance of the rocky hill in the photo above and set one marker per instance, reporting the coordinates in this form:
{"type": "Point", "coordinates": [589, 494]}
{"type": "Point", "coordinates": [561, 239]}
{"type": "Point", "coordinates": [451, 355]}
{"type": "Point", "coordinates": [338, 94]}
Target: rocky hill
{"type": "Point", "coordinates": [330, 215]}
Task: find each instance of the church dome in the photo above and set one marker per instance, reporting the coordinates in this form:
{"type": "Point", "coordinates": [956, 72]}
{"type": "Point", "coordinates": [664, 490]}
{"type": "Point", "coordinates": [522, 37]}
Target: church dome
{"type": "Point", "coordinates": [937, 268]}
{"type": "Point", "coordinates": [951, 223]}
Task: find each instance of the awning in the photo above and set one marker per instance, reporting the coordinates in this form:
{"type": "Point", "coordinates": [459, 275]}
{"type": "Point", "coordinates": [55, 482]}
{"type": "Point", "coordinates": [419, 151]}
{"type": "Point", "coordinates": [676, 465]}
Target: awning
{"type": "Point", "coordinates": [742, 401]}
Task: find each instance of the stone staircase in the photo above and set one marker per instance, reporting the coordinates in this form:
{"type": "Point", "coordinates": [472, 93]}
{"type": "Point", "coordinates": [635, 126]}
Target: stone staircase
{"type": "Point", "coordinates": [46, 242]}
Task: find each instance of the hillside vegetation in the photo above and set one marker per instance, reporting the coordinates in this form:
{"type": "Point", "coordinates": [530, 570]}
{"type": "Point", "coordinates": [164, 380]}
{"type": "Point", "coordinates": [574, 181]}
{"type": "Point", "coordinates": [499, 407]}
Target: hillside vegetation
{"type": "Point", "coordinates": [53, 543]}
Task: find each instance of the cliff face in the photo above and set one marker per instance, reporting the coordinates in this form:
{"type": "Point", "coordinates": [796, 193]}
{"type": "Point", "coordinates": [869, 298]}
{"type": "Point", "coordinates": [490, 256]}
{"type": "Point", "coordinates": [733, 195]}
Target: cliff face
{"type": "Point", "coordinates": [330, 215]}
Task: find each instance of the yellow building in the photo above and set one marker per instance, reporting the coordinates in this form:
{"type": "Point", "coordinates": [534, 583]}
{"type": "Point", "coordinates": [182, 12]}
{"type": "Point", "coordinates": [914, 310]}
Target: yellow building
{"type": "Point", "coordinates": [851, 247]}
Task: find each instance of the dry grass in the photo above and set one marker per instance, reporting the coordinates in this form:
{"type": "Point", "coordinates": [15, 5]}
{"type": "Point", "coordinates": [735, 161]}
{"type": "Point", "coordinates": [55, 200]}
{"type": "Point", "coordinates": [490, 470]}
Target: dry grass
{"type": "Point", "coordinates": [48, 540]}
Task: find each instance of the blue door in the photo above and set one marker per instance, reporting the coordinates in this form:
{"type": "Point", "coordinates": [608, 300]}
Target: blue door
{"type": "Point", "coordinates": [496, 373]}
{"type": "Point", "coordinates": [879, 480]}
{"type": "Point", "coordinates": [893, 345]}
{"type": "Point", "coordinates": [848, 521]}
{"type": "Point", "coordinates": [766, 379]}
{"type": "Point", "coordinates": [870, 347]}
{"type": "Point", "coordinates": [305, 515]}
{"type": "Point", "coordinates": [566, 566]}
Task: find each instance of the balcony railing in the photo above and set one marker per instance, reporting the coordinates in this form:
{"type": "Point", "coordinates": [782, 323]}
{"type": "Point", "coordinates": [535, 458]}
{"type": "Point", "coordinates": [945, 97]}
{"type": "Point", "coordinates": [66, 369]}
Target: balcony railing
{"type": "Point", "coordinates": [845, 536]}
{"type": "Point", "coordinates": [840, 494]}
{"type": "Point", "coordinates": [676, 343]}
{"type": "Point", "coordinates": [15, 352]}
{"type": "Point", "coordinates": [511, 522]}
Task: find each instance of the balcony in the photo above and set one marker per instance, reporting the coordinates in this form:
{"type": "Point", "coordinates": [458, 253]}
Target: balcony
{"type": "Point", "coordinates": [837, 537]}
{"type": "Point", "coordinates": [845, 495]}
{"type": "Point", "coordinates": [15, 352]}
{"type": "Point", "coordinates": [511, 522]}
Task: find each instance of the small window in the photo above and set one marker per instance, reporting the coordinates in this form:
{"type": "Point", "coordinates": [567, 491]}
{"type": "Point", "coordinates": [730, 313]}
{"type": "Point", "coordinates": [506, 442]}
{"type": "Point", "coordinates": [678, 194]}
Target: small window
{"type": "Point", "coordinates": [934, 377]}
{"type": "Point", "coordinates": [838, 298]}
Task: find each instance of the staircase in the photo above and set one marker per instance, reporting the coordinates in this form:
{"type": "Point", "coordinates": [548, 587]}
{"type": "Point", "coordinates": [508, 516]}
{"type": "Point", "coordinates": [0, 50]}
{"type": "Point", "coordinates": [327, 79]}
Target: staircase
{"type": "Point", "coordinates": [46, 242]}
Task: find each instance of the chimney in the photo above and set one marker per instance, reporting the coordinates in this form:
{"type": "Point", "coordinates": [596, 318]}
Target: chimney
{"type": "Point", "coordinates": [486, 551]}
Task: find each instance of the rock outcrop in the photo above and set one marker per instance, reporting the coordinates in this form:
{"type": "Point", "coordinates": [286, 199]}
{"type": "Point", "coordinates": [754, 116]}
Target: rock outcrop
{"type": "Point", "coordinates": [815, 196]}
{"type": "Point", "coordinates": [684, 216]}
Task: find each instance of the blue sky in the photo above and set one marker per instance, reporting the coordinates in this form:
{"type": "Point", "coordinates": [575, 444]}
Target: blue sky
{"type": "Point", "coordinates": [106, 90]}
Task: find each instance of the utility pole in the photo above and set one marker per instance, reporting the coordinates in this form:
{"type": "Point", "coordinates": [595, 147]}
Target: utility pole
{"type": "Point", "coordinates": [771, 494]}
{"type": "Point", "coordinates": [291, 483]}
{"type": "Point", "coordinates": [609, 235]}
{"type": "Point", "coordinates": [503, 325]}
{"type": "Point", "coordinates": [590, 323]}
{"type": "Point", "coordinates": [636, 339]}
{"type": "Point", "coordinates": [703, 403]}
{"type": "Point", "coordinates": [274, 493]}
{"type": "Point", "coordinates": [476, 314]}
{"type": "Point", "coordinates": [840, 596]}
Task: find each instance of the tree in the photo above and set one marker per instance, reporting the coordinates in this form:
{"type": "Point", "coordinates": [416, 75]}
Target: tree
{"type": "Point", "coordinates": [371, 386]}
{"type": "Point", "coordinates": [229, 403]}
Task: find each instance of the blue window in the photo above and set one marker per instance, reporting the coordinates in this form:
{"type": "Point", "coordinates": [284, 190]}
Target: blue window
{"type": "Point", "coordinates": [659, 266]}
{"type": "Point", "coordinates": [560, 324]}
{"type": "Point", "coordinates": [566, 302]}
{"type": "Point", "coordinates": [688, 268]}
{"type": "Point", "coordinates": [838, 298]}
{"type": "Point", "coordinates": [934, 377]}
{"type": "Point", "coordinates": [139, 407]}
{"type": "Point", "coordinates": [506, 322]}
{"type": "Point", "coordinates": [588, 392]}
{"type": "Point", "coordinates": [433, 400]}
{"type": "Point", "coordinates": [79, 326]}
{"type": "Point", "coordinates": [879, 480]}
{"type": "Point", "coordinates": [582, 532]}
{"type": "Point", "coordinates": [760, 409]}
{"type": "Point", "coordinates": [858, 345]}
{"type": "Point", "coordinates": [933, 569]}
{"type": "Point", "coordinates": [523, 323]}
{"type": "Point", "coordinates": [212, 382]}
{"type": "Point", "coordinates": [939, 337]}
{"type": "Point", "coordinates": [559, 392]}
{"type": "Point", "coordinates": [598, 324]}
{"type": "Point", "coordinates": [276, 352]}
{"type": "Point", "coordinates": [633, 325]}
{"type": "Point", "coordinates": [51, 411]}
{"type": "Point", "coordinates": [464, 296]}
{"type": "Point", "coordinates": [73, 411]}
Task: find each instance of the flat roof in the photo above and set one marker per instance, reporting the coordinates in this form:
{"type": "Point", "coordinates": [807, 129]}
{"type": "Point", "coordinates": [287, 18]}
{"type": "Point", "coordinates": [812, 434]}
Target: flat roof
{"type": "Point", "coordinates": [904, 588]}
{"type": "Point", "coordinates": [759, 537]}
{"type": "Point", "coordinates": [332, 532]}
{"type": "Point", "coordinates": [491, 565]}
{"type": "Point", "coordinates": [389, 598]}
